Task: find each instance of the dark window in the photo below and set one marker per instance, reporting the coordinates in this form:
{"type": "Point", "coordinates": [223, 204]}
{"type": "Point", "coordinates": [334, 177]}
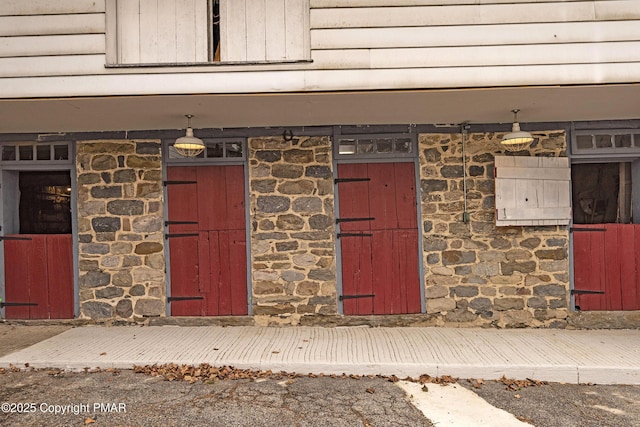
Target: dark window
{"type": "Point", "coordinates": [45, 202]}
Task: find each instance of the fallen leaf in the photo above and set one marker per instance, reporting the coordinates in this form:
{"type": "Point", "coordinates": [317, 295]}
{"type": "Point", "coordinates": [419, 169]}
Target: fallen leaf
{"type": "Point", "coordinates": [104, 353]}
{"type": "Point", "coordinates": [370, 390]}
{"type": "Point", "coordinates": [517, 396]}
{"type": "Point", "coordinates": [425, 388]}
{"type": "Point", "coordinates": [89, 420]}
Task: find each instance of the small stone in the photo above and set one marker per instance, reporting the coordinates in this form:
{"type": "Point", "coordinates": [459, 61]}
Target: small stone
{"type": "Point", "coordinates": [318, 172]}
{"type": "Point", "coordinates": [531, 242]}
{"type": "Point", "coordinates": [109, 292]}
{"type": "Point", "coordinates": [268, 156]}
{"type": "Point", "coordinates": [287, 171]}
{"type": "Point", "coordinates": [508, 268]}
{"type": "Point", "coordinates": [147, 148]}
{"type": "Point", "coordinates": [263, 185]}
{"type": "Point", "coordinates": [298, 156]}
{"type": "Point", "coordinates": [147, 224]}
{"type": "Point", "coordinates": [286, 246]}
{"type": "Point", "coordinates": [292, 276]}
{"type": "Point", "coordinates": [322, 274]}
{"type": "Point", "coordinates": [480, 304]}
{"type": "Point", "coordinates": [103, 162]}
{"type": "Point", "coordinates": [267, 288]}
{"type": "Point", "coordinates": [465, 291]}
{"type": "Point", "coordinates": [554, 254]}
{"type": "Point", "coordinates": [307, 205]}
{"type": "Point", "coordinates": [458, 257]}
{"type": "Point", "coordinates": [94, 279]}
{"type": "Point", "coordinates": [273, 204]}
{"type": "Point", "coordinates": [305, 260]}
{"type": "Point", "coordinates": [124, 308]}
{"type": "Point", "coordinates": [88, 179]}
{"type": "Point", "coordinates": [148, 190]}
{"type": "Point", "coordinates": [122, 279]}
{"type": "Point", "coordinates": [139, 162]}
{"type": "Point", "coordinates": [436, 291]}
{"type": "Point", "coordinates": [452, 171]}
{"type": "Point", "coordinates": [125, 207]}
{"type": "Point", "coordinates": [504, 304]}
{"type": "Point", "coordinates": [94, 248]}
{"type": "Point", "coordinates": [145, 248]}
{"type": "Point", "coordinates": [124, 175]}
{"type": "Point", "coordinates": [296, 187]}
{"type": "Point", "coordinates": [105, 224]}
{"type": "Point", "coordinates": [550, 290]}
{"type": "Point", "coordinates": [290, 222]}
{"type": "Point", "coordinates": [96, 310]}
{"type": "Point", "coordinates": [442, 271]}
{"type": "Point", "coordinates": [431, 185]}
{"type": "Point", "coordinates": [537, 302]}
{"type": "Point", "coordinates": [149, 307]}
{"type": "Point", "coordinates": [137, 290]}
{"type": "Point", "coordinates": [107, 192]}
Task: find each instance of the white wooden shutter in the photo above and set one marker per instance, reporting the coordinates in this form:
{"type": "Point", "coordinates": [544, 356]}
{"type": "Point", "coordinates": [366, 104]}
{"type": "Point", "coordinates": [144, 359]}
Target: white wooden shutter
{"type": "Point", "coordinates": [532, 190]}
{"type": "Point", "coordinates": [264, 30]}
{"type": "Point", "coordinates": [162, 31]}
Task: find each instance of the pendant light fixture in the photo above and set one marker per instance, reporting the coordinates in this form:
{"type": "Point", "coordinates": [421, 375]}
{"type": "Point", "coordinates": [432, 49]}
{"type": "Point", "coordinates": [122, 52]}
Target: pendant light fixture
{"type": "Point", "coordinates": [189, 145]}
{"type": "Point", "coordinates": [516, 140]}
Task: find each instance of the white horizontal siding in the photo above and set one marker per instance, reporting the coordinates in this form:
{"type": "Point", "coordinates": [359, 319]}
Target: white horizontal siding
{"type": "Point", "coordinates": [583, 53]}
{"type": "Point", "coordinates": [356, 44]}
{"type": "Point", "coordinates": [51, 24]}
{"type": "Point", "coordinates": [474, 14]}
{"type": "Point", "coordinates": [381, 3]}
{"type": "Point", "coordinates": [316, 80]}
{"type": "Point", "coordinates": [51, 65]}
{"type": "Point", "coordinates": [49, 7]}
{"type": "Point", "coordinates": [475, 35]}
{"type": "Point", "coordinates": [52, 45]}
{"type": "Point", "coordinates": [486, 39]}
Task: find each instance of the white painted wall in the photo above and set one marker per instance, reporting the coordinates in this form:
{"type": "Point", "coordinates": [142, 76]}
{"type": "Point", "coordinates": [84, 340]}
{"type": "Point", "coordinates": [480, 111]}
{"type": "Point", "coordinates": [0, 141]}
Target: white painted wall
{"type": "Point", "coordinates": [354, 44]}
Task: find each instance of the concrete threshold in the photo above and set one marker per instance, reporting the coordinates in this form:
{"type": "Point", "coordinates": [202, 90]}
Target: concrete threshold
{"type": "Point", "coordinates": [570, 356]}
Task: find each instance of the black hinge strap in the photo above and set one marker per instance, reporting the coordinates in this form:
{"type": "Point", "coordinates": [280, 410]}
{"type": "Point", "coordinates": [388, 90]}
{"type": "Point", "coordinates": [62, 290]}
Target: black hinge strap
{"type": "Point", "coordinates": [179, 222]}
{"type": "Point", "coordinates": [572, 229]}
{"type": "Point", "coordinates": [169, 236]}
{"type": "Point", "coordinates": [339, 180]}
{"type": "Point", "coordinates": [165, 183]}
{"type": "Point", "coordinates": [14, 238]}
{"type": "Point", "coordinates": [584, 291]}
{"type": "Point", "coordinates": [343, 297]}
{"type": "Point", "coordinates": [339, 220]}
{"type": "Point", "coordinates": [354, 235]}
{"type": "Point", "coordinates": [16, 304]}
{"type": "Point", "coordinates": [170, 299]}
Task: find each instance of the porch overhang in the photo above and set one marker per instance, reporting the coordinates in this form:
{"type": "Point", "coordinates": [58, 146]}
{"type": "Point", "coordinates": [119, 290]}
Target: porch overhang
{"type": "Point", "coordinates": [443, 106]}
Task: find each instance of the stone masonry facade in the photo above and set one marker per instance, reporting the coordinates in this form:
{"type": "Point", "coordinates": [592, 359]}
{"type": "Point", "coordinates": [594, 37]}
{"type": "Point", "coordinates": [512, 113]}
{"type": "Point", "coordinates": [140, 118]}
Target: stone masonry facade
{"type": "Point", "coordinates": [292, 239]}
{"type": "Point", "coordinates": [120, 230]}
{"type": "Point", "coordinates": [476, 273]}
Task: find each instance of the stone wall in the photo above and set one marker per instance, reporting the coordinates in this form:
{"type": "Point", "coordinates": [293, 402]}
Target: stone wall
{"type": "Point", "coordinates": [292, 218]}
{"type": "Point", "coordinates": [120, 229]}
{"type": "Point", "coordinates": [477, 273]}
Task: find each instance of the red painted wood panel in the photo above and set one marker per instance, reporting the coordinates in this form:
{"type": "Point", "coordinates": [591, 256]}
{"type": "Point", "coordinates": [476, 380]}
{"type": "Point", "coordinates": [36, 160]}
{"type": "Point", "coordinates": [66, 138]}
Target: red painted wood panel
{"type": "Point", "coordinates": [238, 272]}
{"type": "Point", "coordinates": [607, 261]}
{"type": "Point", "coordinates": [60, 275]}
{"type": "Point", "coordinates": [184, 276]}
{"type": "Point", "coordinates": [215, 264]}
{"type": "Point", "coordinates": [386, 263]}
{"type": "Point", "coordinates": [39, 271]}
{"type": "Point", "coordinates": [17, 273]}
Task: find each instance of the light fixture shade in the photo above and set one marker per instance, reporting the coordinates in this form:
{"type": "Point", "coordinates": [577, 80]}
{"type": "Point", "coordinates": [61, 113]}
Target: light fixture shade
{"type": "Point", "coordinates": [516, 140]}
{"type": "Point", "coordinates": [189, 145]}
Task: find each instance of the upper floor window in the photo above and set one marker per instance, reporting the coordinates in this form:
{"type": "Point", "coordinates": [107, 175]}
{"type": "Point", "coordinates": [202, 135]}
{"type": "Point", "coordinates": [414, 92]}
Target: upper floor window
{"type": "Point", "coordinates": [180, 32]}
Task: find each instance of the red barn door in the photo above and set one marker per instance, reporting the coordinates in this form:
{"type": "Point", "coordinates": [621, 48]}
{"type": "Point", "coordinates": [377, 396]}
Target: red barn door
{"type": "Point", "coordinates": [379, 238]}
{"type": "Point", "coordinates": [606, 260]}
{"type": "Point", "coordinates": [38, 276]}
{"type": "Point", "coordinates": [207, 240]}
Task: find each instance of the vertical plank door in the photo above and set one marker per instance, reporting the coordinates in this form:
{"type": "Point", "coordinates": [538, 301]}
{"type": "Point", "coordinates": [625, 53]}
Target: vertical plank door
{"type": "Point", "coordinates": [379, 239]}
{"type": "Point", "coordinates": [212, 264]}
{"type": "Point", "coordinates": [607, 261]}
{"type": "Point", "coordinates": [39, 272]}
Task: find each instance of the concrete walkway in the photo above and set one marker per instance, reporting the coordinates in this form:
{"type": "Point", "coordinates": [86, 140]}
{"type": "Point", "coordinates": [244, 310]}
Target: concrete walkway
{"type": "Point", "coordinates": [571, 356]}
